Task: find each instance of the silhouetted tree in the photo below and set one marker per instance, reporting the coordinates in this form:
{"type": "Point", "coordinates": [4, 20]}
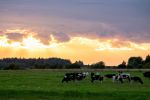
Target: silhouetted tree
{"type": "Point", "coordinates": [76, 65]}
{"type": "Point", "coordinates": [80, 63]}
{"type": "Point", "coordinates": [146, 65]}
{"type": "Point", "coordinates": [122, 65]}
{"type": "Point", "coordinates": [98, 65]}
{"type": "Point", "coordinates": [39, 63]}
{"type": "Point", "coordinates": [13, 67]}
{"type": "Point", "coordinates": [135, 62]}
{"type": "Point", "coordinates": [147, 60]}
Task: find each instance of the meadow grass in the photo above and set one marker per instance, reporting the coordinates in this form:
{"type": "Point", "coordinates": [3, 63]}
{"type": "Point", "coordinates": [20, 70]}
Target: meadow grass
{"type": "Point", "coordinates": [46, 85]}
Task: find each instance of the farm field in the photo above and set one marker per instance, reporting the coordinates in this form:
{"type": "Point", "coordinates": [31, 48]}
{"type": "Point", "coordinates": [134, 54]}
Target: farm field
{"type": "Point", "coordinates": [46, 85]}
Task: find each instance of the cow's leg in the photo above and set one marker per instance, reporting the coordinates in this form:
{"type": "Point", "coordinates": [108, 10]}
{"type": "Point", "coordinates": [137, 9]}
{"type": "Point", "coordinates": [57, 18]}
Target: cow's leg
{"type": "Point", "coordinates": [62, 80]}
{"type": "Point", "coordinates": [140, 81]}
{"type": "Point", "coordinates": [101, 81]}
{"type": "Point", "coordinates": [129, 80]}
{"type": "Point", "coordinates": [121, 80]}
{"type": "Point", "coordinates": [92, 80]}
{"type": "Point", "coordinates": [113, 79]}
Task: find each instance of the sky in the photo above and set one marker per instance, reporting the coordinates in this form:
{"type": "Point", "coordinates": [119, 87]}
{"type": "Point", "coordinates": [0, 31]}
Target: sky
{"type": "Point", "coordinates": [87, 30]}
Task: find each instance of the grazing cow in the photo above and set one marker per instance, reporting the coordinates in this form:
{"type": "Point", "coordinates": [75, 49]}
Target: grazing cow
{"type": "Point", "coordinates": [66, 79]}
{"type": "Point", "coordinates": [125, 76]}
{"type": "Point", "coordinates": [137, 79]}
{"type": "Point", "coordinates": [80, 76]}
{"type": "Point", "coordinates": [147, 74]}
{"type": "Point", "coordinates": [117, 78]}
{"type": "Point", "coordinates": [121, 77]}
{"type": "Point", "coordinates": [84, 74]}
{"type": "Point", "coordinates": [96, 77]}
{"type": "Point", "coordinates": [69, 77]}
{"type": "Point", "coordinates": [109, 75]}
{"type": "Point", "coordinates": [74, 76]}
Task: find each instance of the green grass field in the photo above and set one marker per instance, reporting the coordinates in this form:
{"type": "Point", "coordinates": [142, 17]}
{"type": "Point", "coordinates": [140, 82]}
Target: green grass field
{"type": "Point", "coordinates": [46, 85]}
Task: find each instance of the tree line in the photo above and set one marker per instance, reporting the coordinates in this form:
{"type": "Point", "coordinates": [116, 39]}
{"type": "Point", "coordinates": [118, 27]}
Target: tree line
{"type": "Point", "coordinates": [136, 63]}
{"type": "Point", "coordinates": [59, 63]}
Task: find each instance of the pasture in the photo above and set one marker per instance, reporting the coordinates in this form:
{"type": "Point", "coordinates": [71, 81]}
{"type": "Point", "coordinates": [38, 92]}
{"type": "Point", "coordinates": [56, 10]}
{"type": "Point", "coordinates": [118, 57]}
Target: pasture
{"type": "Point", "coordinates": [46, 85]}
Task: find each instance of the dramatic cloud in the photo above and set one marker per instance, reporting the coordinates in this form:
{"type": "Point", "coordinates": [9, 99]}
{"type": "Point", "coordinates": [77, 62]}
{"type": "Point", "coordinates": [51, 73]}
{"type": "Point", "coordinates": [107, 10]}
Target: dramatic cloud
{"type": "Point", "coordinates": [67, 28]}
{"type": "Point", "coordinates": [139, 37]}
{"type": "Point", "coordinates": [15, 36]}
{"type": "Point", "coordinates": [126, 19]}
{"type": "Point", "coordinates": [44, 38]}
{"type": "Point", "coordinates": [61, 37]}
{"type": "Point", "coordinates": [1, 32]}
{"type": "Point", "coordinates": [77, 48]}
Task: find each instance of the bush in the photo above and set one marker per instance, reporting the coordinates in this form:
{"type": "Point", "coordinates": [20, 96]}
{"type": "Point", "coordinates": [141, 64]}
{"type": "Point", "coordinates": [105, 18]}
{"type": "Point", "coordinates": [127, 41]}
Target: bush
{"type": "Point", "coordinates": [122, 65]}
{"type": "Point", "coordinates": [13, 67]}
{"type": "Point", "coordinates": [147, 65]}
{"type": "Point", "coordinates": [99, 65]}
{"type": "Point", "coordinates": [73, 66]}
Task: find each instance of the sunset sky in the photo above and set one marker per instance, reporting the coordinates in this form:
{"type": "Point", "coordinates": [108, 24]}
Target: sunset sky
{"type": "Point", "coordinates": [87, 30]}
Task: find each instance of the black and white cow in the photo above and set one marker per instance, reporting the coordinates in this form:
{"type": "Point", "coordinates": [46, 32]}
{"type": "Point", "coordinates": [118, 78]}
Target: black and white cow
{"type": "Point", "coordinates": [117, 78]}
{"type": "Point", "coordinates": [121, 77]}
{"type": "Point", "coordinates": [96, 77]}
{"type": "Point", "coordinates": [74, 76]}
{"type": "Point", "coordinates": [125, 76]}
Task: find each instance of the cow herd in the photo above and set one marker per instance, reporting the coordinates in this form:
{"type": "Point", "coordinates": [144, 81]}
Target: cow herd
{"type": "Point", "coordinates": [120, 77]}
{"type": "Point", "coordinates": [74, 76]}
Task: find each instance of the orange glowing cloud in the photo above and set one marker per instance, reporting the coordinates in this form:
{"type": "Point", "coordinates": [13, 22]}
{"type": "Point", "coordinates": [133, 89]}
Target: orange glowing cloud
{"type": "Point", "coordinates": [111, 51]}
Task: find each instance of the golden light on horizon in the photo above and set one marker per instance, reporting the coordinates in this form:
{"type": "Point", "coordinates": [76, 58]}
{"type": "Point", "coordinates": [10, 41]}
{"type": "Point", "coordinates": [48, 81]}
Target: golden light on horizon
{"type": "Point", "coordinates": [31, 43]}
{"type": "Point", "coordinates": [111, 51]}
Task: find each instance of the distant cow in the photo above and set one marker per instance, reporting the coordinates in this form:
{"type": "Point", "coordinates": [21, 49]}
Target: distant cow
{"type": "Point", "coordinates": [109, 75]}
{"type": "Point", "coordinates": [121, 77]}
{"type": "Point", "coordinates": [80, 76]}
{"type": "Point", "coordinates": [117, 78]}
{"type": "Point", "coordinates": [96, 77]}
{"type": "Point", "coordinates": [125, 76]}
{"type": "Point", "coordinates": [147, 74]}
{"type": "Point", "coordinates": [74, 76]}
{"type": "Point", "coordinates": [137, 79]}
{"type": "Point", "coordinates": [68, 77]}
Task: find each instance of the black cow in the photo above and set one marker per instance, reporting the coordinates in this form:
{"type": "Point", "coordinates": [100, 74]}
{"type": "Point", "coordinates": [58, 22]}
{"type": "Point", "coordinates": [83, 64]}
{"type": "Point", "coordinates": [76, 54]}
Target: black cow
{"type": "Point", "coordinates": [69, 77]}
{"type": "Point", "coordinates": [96, 77]}
{"type": "Point", "coordinates": [109, 75]}
{"type": "Point", "coordinates": [137, 79]}
{"type": "Point", "coordinates": [147, 74]}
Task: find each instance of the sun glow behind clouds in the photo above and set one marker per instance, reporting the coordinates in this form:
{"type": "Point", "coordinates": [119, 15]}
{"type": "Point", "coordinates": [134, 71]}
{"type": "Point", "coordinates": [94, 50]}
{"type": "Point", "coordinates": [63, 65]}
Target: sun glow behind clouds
{"type": "Point", "coordinates": [77, 48]}
{"type": "Point", "coordinates": [31, 43]}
